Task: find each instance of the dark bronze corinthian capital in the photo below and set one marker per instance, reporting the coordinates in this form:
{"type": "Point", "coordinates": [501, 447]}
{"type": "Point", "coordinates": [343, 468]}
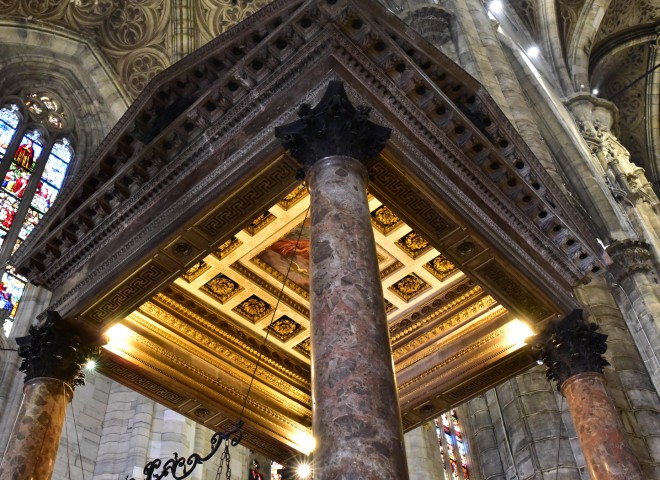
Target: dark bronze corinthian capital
{"type": "Point", "coordinates": [333, 127]}
{"type": "Point", "coordinates": [52, 351]}
{"type": "Point", "coordinates": [571, 346]}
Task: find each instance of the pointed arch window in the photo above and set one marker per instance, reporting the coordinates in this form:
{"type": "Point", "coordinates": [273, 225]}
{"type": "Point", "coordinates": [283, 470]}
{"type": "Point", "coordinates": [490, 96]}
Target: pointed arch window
{"type": "Point", "coordinates": [453, 447]}
{"type": "Point", "coordinates": [35, 153]}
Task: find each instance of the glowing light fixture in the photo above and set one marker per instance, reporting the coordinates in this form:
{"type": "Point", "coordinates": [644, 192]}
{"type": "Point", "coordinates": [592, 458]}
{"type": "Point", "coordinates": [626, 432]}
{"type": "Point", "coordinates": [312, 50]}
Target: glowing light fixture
{"type": "Point", "coordinates": [495, 6]}
{"type": "Point", "coordinates": [118, 335]}
{"type": "Point", "coordinates": [595, 91]}
{"type": "Point", "coordinates": [533, 51]}
{"type": "Point", "coordinates": [304, 471]}
{"type": "Point", "coordinates": [306, 443]}
{"type": "Point", "coordinates": [90, 366]}
{"type": "Point", "coordinates": [518, 331]}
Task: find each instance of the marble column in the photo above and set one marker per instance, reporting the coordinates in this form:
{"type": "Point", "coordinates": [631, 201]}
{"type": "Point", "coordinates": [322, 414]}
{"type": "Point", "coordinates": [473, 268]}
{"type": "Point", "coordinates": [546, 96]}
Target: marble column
{"type": "Point", "coordinates": [572, 351]}
{"type": "Point", "coordinates": [52, 362]}
{"type": "Point", "coordinates": [356, 417]}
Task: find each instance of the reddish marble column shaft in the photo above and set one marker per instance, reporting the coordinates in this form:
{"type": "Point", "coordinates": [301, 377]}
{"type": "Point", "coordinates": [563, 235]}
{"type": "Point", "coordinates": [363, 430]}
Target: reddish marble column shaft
{"type": "Point", "coordinates": [356, 417]}
{"type": "Point", "coordinates": [601, 435]}
{"type": "Point", "coordinates": [32, 447]}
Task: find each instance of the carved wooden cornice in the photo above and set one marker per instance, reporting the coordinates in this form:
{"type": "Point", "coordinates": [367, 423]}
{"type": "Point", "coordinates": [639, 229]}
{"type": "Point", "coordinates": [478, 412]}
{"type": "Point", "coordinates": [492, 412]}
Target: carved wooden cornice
{"type": "Point", "coordinates": [192, 111]}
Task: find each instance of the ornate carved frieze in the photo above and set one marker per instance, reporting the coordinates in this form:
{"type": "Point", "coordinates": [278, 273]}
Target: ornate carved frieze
{"type": "Point", "coordinates": [333, 127]}
{"type": "Point", "coordinates": [571, 346]}
{"type": "Point", "coordinates": [52, 350]}
{"type": "Point", "coordinates": [284, 328]}
{"type": "Point", "coordinates": [630, 257]}
{"type": "Point", "coordinates": [195, 271]}
{"type": "Point", "coordinates": [227, 247]}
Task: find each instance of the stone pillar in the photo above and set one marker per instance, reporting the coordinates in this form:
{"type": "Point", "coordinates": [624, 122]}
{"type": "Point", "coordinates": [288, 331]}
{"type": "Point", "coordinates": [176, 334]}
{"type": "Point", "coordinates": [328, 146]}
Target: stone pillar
{"type": "Point", "coordinates": [52, 362]}
{"type": "Point", "coordinates": [572, 351]}
{"type": "Point", "coordinates": [423, 453]}
{"type": "Point", "coordinates": [356, 417]}
{"type": "Point", "coordinates": [635, 287]}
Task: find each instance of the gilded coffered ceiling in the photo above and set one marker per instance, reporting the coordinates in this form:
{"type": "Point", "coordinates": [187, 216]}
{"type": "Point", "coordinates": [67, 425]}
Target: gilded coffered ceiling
{"type": "Point", "coordinates": [205, 330]}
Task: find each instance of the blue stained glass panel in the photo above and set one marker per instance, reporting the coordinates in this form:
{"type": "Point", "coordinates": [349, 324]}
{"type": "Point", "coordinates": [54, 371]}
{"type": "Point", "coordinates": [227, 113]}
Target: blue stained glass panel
{"type": "Point", "coordinates": [62, 150]}
{"type": "Point", "coordinates": [8, 124]}
{"type": "Point", "coordinates": [55, 171]}
{"type": "Point", "coordinates": [6, 132]}
{"type": "Point", "coordinates": [44, 197]}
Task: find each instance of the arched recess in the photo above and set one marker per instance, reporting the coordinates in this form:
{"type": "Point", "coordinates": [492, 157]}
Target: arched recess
{"type": "Point", "coordinates": [36, 55]}
{"type": "Point", "coordinates": [194, 160]}
{"type": "Point", "coordinates": [581, 42]}
{"type": "Point", "coordinates": [583, 177]}
{"type": "Point", "coordinates": [622, 69]}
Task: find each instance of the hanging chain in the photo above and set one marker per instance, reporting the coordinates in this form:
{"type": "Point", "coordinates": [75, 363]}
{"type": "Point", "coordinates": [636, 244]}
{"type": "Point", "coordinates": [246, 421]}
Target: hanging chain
{"type": "Point", "coordinates": [225, 459]}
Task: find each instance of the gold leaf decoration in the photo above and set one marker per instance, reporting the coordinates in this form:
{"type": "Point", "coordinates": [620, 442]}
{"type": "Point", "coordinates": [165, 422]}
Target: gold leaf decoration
{"type": "Point", "coordinates": [253, 308]}
{"type": "Point", "coordinates": [389, 306]}
{"type": "Point", "coordinates": [222, 288]}
{"type": "Point", "coordinates": [413, 244]}
{"type": "Point", "coordinates": [304, 347]}
{"type": "Point", "coordinates": [195, 271]}
{"type": "Point", "coordinates": [440, 267]}
{"type": "Point", "coordinates": [409, 286]}
{"type": "Point", "coordinates": [259, 223]}
{"type": "Point", "coordinates": [226, 248]}
{"type": "Point", "coordinates": [294, 197]}
{"type": "Point", "coordinates": [284, 328]}
{"type": "Point", "coordinates": [385, 220]}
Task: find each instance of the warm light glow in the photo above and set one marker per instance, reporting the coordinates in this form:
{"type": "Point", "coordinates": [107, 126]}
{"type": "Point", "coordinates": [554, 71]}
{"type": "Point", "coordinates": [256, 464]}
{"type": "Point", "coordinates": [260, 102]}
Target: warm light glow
{"type": "Point", "coordinates": [533, 52]}
{"type": "Point", "coordinates": [306, 442]}
{"type": "Point", "coordinates": [304, 471]}
{"type": "Point", "coordinates": [90, 365]}
{"type": "Point", "coordinates": [495, 6]}
{"type": "Point", "coordinates": [518, 331]}
{"type": "Point", "coordinates": [118, 335]}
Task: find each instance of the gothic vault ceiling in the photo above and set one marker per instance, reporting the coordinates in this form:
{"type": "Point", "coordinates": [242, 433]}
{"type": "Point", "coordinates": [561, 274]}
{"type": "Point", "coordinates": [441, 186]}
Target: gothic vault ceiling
{"type": "Point", "coordinates": [252, 295]}
{"type": "Point", "coordinates": [620, 57]}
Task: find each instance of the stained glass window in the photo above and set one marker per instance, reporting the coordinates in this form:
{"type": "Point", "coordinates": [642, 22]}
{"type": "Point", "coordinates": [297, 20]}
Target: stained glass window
{"type": "Point", "coordinates": [453, 449]}
{"type": "Point", "coordinates": [35, 154]}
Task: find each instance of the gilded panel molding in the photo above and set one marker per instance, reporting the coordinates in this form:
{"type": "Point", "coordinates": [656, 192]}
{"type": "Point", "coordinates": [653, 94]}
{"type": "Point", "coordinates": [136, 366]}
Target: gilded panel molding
{"type": "Point", "coordinates": [224, 330]}
{"type": "Point", "coordinates": [279, 399]}
{"type": "Point", "coordinates": [233, 358]}
{"type": "Point", "coordinates": [125, 375]}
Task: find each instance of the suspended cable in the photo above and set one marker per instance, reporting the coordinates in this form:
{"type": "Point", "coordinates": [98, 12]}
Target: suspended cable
{"type": "Point", "coordinates": [633, 82]}
{"type": "Point", "coordinates": [75, 426]}
{"type": "Point", "coordinates": [66, 429]}
{"type": "Point", "coordinates": [561, 410]}
{"type": "Point", "coordinates": [272, 319]}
